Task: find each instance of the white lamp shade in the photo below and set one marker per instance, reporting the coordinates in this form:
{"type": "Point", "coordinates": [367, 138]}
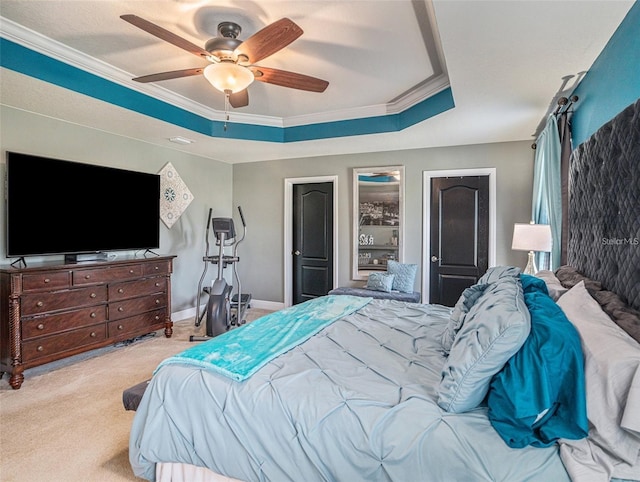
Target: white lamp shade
{"type": "Point", "coordinates": [531, 237]}
{"type": "Point", "coordinates": [227, 76]}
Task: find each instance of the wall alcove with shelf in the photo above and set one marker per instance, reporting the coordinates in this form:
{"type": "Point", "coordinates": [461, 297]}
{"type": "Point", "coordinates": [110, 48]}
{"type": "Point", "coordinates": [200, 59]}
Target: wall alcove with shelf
{"type": "Point", "coordinates": [378, 218]}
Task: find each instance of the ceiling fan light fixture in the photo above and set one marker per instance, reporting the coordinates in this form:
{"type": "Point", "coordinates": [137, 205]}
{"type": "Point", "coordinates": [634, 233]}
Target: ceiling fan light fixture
{"type": "Point", "coordinates": [228, 76]}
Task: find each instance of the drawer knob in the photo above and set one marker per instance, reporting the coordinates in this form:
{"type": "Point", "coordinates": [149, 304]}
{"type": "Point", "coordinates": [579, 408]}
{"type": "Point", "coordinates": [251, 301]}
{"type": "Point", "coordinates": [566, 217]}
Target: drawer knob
{"type": "Point", "coordinates": [157, 285]}
{"type": "Point", "coordinates": [120, 309]}
{"type": "Point", "coordinates": [93, 334]}
{"type": "Point", "coordinates": [40, 348]}
{"type": "Point", "coordinates": [39, 304]}
{"type": "Point", "coordinates": [157, 268]}
{"type": "Point", "coordinates": [87, 276]}
{"type": "Point", "coordinates": [120, 291]}
{"type": "Point", "coordinates": [41, 326]}
{"type": "Point", "coordinates": [93, 314]}
{"type": "Point", "coordinates": [92, 295]}
{"type": "Point", "coordinates": [120, 327]}
{"type": "Point", "coordinates": [47, 280]}
{"type": "Point", "coordinates": [131, 271]}
{"type": "Point", "coordinates": [157, 317]}
{"type": "Point", "coordinates": [157, 302]}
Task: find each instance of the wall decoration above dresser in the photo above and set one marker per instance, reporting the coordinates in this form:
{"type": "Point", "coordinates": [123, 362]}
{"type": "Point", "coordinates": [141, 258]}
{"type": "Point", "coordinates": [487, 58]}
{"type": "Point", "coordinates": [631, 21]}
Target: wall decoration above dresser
{"type": "Point", "coordinates": [175, 196]}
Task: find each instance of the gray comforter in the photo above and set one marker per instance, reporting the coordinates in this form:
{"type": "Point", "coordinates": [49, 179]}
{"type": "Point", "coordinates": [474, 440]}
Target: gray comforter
{"type": "Point", "coordinates": [355, 402]}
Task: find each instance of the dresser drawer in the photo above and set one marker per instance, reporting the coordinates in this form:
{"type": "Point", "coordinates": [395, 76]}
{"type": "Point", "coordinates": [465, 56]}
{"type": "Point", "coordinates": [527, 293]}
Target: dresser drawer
{"type": "Point", "coordinates": [123, 309]}
{"type": "Point", "coordinates": [49, 324]}
{"type": "Point", "coordinates": [36, 303]}
{"type": "Point", "coordinates": [161, 267]}
{"type": "Point", "coordinates": [136, 325]}
{"type": "Point", "coordinates": [51, 345]}
{"type": "Point", "coordinates": [129, 289]}
{"type": "Point", "coordinates": [46, 281]}
{"type": "Point", "coordinates": [106, 274]}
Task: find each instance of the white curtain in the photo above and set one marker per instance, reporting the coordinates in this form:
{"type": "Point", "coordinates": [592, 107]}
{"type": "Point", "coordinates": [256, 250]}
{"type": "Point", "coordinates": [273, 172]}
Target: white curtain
{"type": "Point", "coordinates": [547, 191]}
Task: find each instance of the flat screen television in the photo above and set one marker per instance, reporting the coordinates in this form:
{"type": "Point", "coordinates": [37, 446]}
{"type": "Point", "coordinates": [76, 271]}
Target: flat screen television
{"type": "Point", "coordinates": [56, 206]}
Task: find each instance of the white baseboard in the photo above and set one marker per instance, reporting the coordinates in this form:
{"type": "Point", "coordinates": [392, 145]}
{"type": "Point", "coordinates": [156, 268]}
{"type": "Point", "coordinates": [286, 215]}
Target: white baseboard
{"type": "Point", "coordinates": [260, 304]}
{"type": "Point", "coordinates": [267, 305]}
{"type": "Point", "coordinates": [184, 314]}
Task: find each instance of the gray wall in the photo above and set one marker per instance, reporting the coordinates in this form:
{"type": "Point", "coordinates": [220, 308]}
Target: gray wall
{"type": "Point", "coordinates": [259, 189]}
{"type": "Point", "coordinates": [209, 181]}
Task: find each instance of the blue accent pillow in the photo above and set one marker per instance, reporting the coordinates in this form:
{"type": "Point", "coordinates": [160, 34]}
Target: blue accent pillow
{"type": "Point", "coordinates": [497, 273]}
{"type": "Point", "coordinates": [494, 329]}
{"type": "Point", "coordinates": [405, 275]}
{"type": "Point", "coordinates": [380, 281]}
{"type": "Point", "coordinates": [539, 396]}
{"type": "Point", "coordinates": [467, 299]}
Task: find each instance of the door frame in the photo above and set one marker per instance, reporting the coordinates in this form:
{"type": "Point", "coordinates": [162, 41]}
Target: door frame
{"type": "Point", "coordinates": [426, 217]}
{"type": "Point", "coordinates": [288, 230]}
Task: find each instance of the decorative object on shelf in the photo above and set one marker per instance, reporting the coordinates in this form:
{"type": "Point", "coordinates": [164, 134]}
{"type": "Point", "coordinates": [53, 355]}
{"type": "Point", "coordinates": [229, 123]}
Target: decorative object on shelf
{"type": "Point", "coordinates": [365, 240]}
{"type": "Point", "coordinates": [174, 195]}
{"type": "Point", "coordinates": [531, 237]}
{"type": "Point", "coordinates": [394, 238]}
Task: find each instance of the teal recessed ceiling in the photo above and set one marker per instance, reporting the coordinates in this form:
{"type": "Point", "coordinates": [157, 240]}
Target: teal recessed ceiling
{"type": "Point", "coordinates": [34, 64]}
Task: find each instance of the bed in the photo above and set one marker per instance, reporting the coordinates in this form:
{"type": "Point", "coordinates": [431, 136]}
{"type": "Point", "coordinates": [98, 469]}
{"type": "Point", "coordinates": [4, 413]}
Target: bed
{"type": "Point", "coordinates": [526, 378]}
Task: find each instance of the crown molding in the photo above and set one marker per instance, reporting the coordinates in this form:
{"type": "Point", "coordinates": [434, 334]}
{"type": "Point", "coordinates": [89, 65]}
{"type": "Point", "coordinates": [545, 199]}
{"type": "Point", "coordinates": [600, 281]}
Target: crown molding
{"type": "Point", "coordinates": [39, 43]}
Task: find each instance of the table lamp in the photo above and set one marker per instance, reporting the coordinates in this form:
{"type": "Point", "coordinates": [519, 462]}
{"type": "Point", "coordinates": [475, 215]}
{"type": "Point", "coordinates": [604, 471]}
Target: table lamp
{"type": "Point", "coordinates": [531, 237]}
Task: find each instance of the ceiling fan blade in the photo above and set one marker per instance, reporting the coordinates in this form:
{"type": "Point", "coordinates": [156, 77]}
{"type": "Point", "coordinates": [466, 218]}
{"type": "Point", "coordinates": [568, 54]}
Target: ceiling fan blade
{"type": "Point", "coordinates": [289, 79]}
{"type": "Point", "coordinates": [174, 74]}
{"type": "Point", "coordinates": [239, 99]}
{"type": "Point", "coordinates": [269, 40]}
{"type": "Point", "coordinates": [165, 35]}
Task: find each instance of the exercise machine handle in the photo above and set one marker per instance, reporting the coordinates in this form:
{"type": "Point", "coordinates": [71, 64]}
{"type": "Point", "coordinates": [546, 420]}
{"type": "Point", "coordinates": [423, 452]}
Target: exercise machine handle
{"type": "Point", "coordinates": [244, 232]}
{"type": "Point", "coordinates": [209, 219]}
{"type": "Point", "coordinates": [206, 238]}
{"type": "Point", "coordinates": [242, 216]}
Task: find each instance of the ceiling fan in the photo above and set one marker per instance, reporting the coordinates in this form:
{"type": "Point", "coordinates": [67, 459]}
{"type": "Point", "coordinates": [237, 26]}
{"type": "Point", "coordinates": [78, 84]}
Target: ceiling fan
{"type": "Point", "coordinates": [232, 61]}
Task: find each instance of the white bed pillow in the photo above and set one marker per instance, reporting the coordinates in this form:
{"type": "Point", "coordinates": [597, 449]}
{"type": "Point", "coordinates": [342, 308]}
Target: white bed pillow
{"type": "Point", "coordinates": [554, 287]}
{"type": "Point", "coordinates": [612, 375]}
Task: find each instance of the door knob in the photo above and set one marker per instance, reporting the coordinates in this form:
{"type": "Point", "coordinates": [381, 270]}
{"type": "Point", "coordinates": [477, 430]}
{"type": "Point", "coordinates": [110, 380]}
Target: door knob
{"type": "Point", "coordinates": [297, 253]}
{"type": "Point", "coordinates": [434, 259]}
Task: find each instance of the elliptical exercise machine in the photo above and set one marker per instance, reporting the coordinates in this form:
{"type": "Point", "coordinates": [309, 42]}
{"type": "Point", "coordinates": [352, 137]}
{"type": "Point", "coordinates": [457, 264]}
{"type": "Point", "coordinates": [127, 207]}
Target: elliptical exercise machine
{"type": "Point", "coordinates": [223, 309]}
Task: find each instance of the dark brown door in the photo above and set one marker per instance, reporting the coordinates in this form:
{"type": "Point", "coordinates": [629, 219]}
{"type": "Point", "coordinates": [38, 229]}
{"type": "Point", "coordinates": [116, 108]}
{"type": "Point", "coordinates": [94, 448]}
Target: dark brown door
{"type": "Point", "coordinates": [312, 240]}
{"type": "Point", "coordinates": [459, 235]}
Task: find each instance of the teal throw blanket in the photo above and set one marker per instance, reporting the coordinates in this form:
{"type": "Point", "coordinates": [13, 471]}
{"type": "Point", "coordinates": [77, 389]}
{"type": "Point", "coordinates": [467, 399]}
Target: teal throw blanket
{"type": "Point", "coordinates": [241, 352]}
{"type": "Point", "coordinates": [540, 394]}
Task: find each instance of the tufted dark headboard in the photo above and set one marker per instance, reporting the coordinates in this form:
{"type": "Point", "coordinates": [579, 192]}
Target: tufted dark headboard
{"type": "Point", "coordinates": [604, 206]}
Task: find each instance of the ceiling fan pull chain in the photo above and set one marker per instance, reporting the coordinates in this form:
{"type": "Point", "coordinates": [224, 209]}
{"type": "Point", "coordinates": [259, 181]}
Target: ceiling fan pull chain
{"type": "Point", "coordinates": [227, 93]}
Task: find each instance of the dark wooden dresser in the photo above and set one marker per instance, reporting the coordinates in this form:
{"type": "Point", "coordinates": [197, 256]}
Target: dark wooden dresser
{"type": "Point", "coordinates": [52, 311]}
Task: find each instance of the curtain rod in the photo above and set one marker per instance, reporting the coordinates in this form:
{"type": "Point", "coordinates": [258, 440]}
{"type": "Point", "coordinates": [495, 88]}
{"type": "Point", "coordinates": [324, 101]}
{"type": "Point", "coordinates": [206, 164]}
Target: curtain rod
{"type": "Point", "coordinates": [562, 102]}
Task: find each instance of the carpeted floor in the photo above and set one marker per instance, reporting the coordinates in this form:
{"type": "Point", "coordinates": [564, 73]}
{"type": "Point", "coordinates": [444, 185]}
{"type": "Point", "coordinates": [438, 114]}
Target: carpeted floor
{"type": "Point", "coordinates": [67, 423]}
